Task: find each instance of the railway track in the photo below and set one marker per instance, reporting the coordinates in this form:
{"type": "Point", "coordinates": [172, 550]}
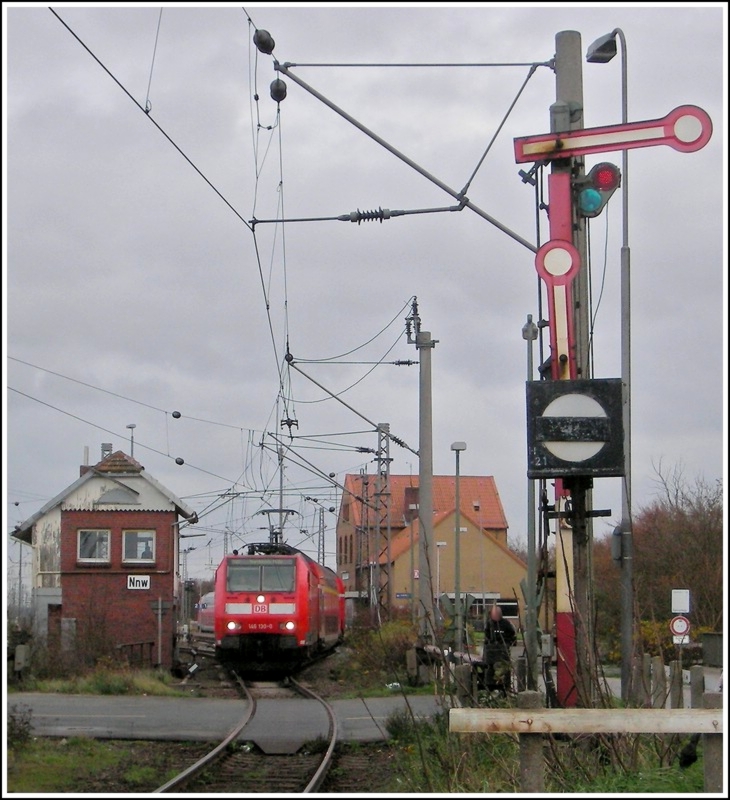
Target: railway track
{"type": "Point", "coordinates": [237, 766]}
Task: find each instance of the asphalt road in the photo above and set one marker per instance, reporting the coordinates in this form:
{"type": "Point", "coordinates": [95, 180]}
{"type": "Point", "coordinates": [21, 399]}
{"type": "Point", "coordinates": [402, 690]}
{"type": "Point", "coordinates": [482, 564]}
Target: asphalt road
{"type": "Point", "coordinates": [278, 725]}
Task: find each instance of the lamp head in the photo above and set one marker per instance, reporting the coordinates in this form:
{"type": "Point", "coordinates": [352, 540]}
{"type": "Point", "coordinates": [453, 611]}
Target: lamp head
{"type": "Point", "coordinates": [602, 50]}
{"type": "Point", "coordinates": [458, 446]}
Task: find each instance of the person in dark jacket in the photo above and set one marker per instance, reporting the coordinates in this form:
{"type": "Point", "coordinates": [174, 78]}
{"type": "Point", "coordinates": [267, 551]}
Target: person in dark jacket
{"type": "Point", "coordinates": [499, 636]}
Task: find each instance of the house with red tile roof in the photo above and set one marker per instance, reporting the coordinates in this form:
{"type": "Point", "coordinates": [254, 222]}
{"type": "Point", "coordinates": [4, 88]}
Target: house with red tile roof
{"type": "Point", "coordinates": [371, 514]}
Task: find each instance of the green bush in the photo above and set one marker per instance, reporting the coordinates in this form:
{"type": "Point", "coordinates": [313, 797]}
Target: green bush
{"type": "Point", "coordinates": [379, 655]}
{"type": "Point", "coordinates": [20, 727]}
{"type": "Point", "coordinates": [656, 639]}
{"type": "Point", "coordinates": [106, 681]}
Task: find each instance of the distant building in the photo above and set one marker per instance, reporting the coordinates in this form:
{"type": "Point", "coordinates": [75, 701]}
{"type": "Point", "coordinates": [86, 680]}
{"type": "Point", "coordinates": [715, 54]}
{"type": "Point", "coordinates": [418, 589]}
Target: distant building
{"type": "Point", "coordinates": [105, 556]}
{"type": "Point", "coordinates": [488, 570]}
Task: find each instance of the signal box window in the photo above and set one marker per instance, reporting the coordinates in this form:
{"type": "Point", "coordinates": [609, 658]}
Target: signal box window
{"type": "Point", "coordinates": [93, 546]}
{"type": "Point", "coordinates": [139, 546]}
{"type": "Point", "coordinates": [261, 575]}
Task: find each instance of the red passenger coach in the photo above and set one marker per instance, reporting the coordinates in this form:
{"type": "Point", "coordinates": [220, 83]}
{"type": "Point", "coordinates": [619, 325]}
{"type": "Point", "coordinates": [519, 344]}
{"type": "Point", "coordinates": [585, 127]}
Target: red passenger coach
{"type": "Point", "coordinates": [206, 613]}
{"type": "Point", "coordinates": [275, 607]}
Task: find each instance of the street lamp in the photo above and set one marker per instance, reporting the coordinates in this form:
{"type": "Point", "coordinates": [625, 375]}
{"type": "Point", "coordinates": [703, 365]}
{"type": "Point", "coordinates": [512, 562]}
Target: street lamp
{"type": "Point", "coordinates": [600, 52]}
{"type": "Point", "coordinates": [529, 334]}
{"type": "Point", "coordinates": [131, 427]}
{"type": "Point", "coordinates": [439, 545]}
{"type": "Point", "coordinates": [457, 447]}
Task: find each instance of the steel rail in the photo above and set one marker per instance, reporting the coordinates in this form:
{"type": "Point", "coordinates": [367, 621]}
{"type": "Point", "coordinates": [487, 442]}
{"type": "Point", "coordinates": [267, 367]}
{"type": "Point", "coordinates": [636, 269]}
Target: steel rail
{"type": "Point", "coordinates": [321, 773]}
{"type": "Point", "coordinates": [214, 754]}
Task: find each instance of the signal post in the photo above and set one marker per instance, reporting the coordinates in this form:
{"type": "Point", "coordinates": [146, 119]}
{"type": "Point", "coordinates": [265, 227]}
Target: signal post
{"type": "Point", "coordinates": [575, 425]}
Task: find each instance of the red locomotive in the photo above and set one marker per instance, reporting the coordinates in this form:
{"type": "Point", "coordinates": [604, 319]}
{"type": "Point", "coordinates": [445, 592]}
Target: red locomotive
{"type": "Point", "coordinates": [275, 607]}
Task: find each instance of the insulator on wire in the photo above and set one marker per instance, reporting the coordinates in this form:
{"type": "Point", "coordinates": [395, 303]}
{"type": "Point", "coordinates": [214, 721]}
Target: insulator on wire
{"type": "Point", "coordinates": [277, 90]}
{"type": "Point", "coordinates": [264, 41]}
{"type": "Point", "coordinates": [358, 216]}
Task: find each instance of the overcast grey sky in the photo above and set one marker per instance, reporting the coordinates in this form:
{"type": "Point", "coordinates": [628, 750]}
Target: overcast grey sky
{"type": "Point", "coordinates": [126, 271]}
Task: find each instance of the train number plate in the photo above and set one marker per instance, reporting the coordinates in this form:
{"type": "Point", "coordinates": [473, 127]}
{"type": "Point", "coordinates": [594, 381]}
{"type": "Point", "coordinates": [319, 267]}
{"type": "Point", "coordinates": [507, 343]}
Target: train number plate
{"type": "Point", "coordinates": [260, 608]}
{"type": "Point", "coordinates": [260, 626]}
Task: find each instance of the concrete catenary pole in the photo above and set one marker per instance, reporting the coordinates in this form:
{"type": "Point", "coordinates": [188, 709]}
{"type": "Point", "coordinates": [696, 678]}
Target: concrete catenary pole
{"type": "Point", "coordinates": [424, 345]}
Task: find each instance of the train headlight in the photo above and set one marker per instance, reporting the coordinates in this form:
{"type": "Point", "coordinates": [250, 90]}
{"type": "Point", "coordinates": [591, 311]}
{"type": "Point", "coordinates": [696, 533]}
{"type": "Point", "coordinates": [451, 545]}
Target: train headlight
{"type": "Point", "coordinates": [287, 626]}
{"type": "Point", "coordinates": [260, 599]}
{"type": "Point", "coordinates": [232, 625]}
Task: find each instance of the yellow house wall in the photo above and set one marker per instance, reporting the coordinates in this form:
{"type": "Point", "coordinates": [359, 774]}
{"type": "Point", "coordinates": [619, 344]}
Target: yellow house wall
{"type": "Point", "coordinates": [484, 565]}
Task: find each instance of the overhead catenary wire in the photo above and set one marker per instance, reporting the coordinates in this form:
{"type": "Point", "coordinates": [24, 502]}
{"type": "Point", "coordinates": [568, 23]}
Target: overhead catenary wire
{"type": "Point", "coordinates": [284, 68]}
{"type": "Point", "coordinates": [114, 433]}
{"type": "Point", "coordinates": [362, 216]}
{"type": "Point", "coordinates": [314, 469]}
{"type": "Point", "coordinates": [531, 72]}
{"type": "Point", "coordinates": [594, 311]}
{"type": "Point", "coordinates": [147, 109]}
{"type": "Point", "coordinates": [416, 64]}
{"type": "Point", "coordinates": [364, 344]}
{"type": "Point", "coordinates": [131, 399]}
{"type": "Point", "coordinates": [147, 104]}
{"type": "Point", "coordinates": [177, 147]}
{"type": "Point", "coordinates": [285, 398]}
{"type": "Point", "coordinates": [337, 395]}
{"type": "Point", "coordinates": [150, 117]}
{"type": "Point", "coordinates": [362, 416]}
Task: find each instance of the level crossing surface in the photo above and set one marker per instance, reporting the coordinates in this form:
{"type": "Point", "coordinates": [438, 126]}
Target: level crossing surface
{"type": "Point", "coordinates": [206, 719]}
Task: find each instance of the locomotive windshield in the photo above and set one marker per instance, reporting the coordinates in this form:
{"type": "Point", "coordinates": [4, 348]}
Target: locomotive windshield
{"type": "Point", "coordinates": [261, 575]}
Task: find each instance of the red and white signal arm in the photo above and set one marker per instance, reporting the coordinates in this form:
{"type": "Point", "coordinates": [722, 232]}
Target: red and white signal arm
{"type": "Point", "coordinates": [679, 626]}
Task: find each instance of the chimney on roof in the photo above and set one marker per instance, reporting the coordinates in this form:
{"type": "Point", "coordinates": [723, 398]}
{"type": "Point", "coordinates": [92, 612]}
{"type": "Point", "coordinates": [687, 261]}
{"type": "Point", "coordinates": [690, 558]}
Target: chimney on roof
{"type": "Point", "coordinates": [410, 501]}
{"type": "Point", "coordinates": [85, 466]}
{"type": "Point", "coordinates": [106, 450]}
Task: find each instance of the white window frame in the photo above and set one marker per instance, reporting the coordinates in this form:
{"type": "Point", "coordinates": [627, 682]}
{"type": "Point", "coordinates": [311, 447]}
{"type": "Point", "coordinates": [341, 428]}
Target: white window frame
{"type": "Point", "coordinates": [151, 533]}
{"type": "Point", "coordinates": [95, 559]}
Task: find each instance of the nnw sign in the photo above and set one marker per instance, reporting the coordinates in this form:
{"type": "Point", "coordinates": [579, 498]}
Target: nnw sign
{"type": "Point", "coordinates": [138, 581]}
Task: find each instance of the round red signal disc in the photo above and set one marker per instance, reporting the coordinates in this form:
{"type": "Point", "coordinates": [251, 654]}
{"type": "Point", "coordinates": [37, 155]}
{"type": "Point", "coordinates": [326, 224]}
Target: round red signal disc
{"type": "Point", "coordinates": [679, 626]}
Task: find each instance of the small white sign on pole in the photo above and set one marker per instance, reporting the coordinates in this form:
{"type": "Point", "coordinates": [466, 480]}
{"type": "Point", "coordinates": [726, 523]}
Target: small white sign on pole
{"type": "Point", "coordinates": [680, 601]}
{"type": "Point", "coordinates": [681, 639]}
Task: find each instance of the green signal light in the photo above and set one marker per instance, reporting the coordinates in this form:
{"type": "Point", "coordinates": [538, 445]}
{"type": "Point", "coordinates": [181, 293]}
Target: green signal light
{"type": "Point", "coordinates": [594, 189]}
{"type": "Point", "coordinates": [589, 200]}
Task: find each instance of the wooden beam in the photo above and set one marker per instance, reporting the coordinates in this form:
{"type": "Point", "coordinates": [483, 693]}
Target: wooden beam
{"type": "Point", "coordinates": [585, 720]}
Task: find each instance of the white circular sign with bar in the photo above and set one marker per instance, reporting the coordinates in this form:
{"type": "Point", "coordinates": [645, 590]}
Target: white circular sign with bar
{"type": "Point", "coordinates": [574, 405]}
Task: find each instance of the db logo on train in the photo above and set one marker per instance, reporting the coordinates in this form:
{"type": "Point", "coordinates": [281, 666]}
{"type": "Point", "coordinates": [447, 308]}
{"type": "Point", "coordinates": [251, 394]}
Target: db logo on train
{"type": "Point", "coordinates": [260, 608]}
